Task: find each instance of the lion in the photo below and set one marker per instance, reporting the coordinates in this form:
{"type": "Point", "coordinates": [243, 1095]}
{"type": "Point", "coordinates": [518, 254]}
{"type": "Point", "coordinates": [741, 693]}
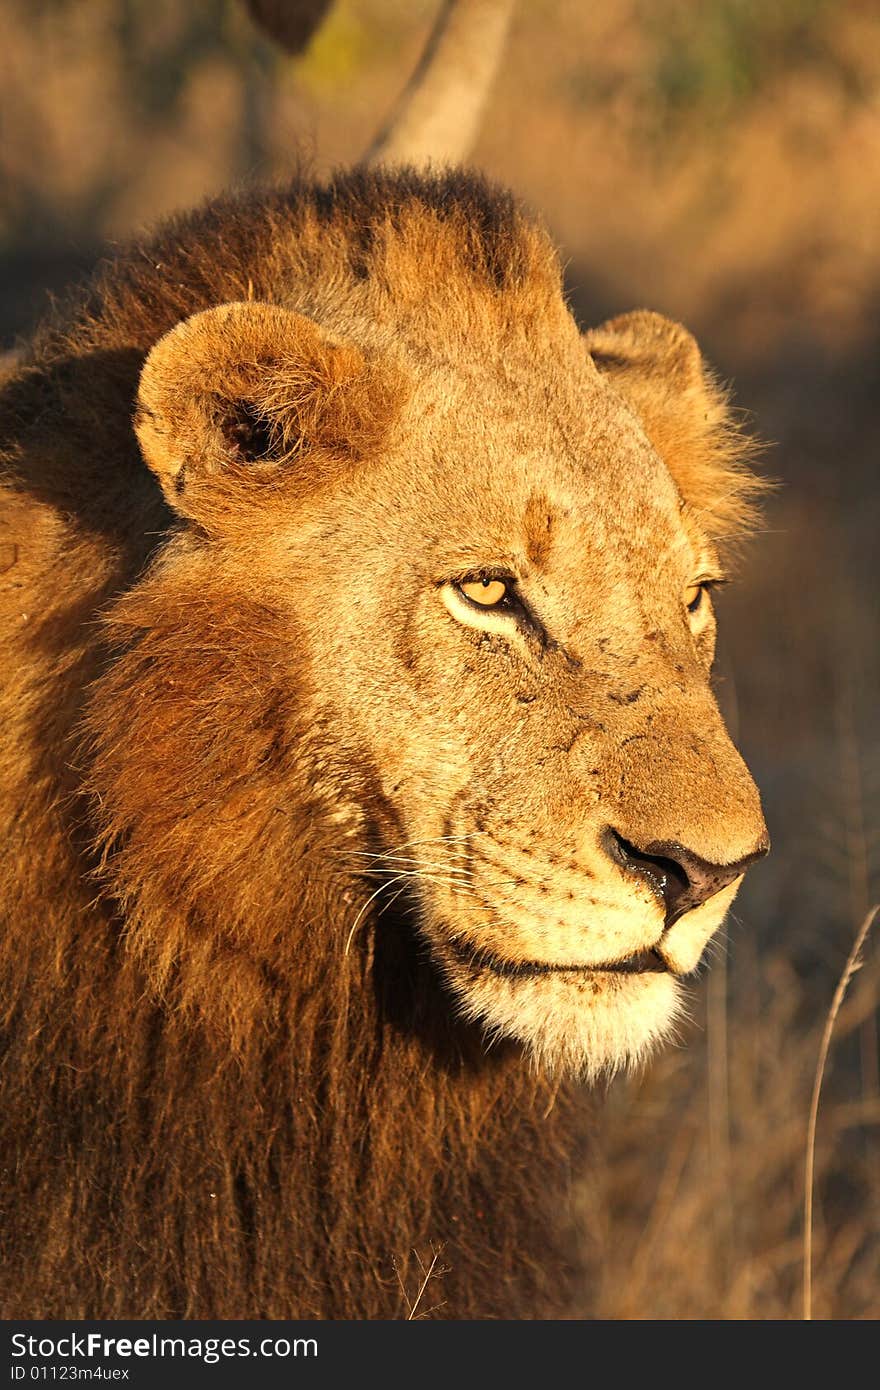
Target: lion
{"type": "Point", "coordinates": [363, 790]}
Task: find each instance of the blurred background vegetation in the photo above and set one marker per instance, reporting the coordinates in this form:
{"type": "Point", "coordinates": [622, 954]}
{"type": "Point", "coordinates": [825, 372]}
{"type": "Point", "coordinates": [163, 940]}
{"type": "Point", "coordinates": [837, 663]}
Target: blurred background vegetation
{"type": "Point", "coordinates": [718, 160]}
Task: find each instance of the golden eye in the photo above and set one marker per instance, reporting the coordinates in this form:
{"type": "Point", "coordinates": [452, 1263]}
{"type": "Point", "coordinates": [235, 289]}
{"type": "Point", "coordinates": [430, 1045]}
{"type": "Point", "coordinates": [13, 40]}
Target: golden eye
{"type": "Point", "coordinates": [488, 593]}
{"type": "Point", "coordinates": [693, 596]}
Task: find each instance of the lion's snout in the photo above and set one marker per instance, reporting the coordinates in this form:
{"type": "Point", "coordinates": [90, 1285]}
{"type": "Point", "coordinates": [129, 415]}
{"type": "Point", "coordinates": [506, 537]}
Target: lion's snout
{"type": "Point", "coordinates": [684, 880]}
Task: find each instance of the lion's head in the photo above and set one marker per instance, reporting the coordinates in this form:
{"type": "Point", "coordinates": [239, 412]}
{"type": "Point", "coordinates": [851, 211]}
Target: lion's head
{"type": "Point", "coordinates": [492, 543]}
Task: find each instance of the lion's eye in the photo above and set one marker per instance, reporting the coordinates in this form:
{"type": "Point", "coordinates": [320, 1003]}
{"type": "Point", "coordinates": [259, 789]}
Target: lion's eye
{"type": "Point", "coordinates": [488, 593]}
{"type": "Point", "coordinates": [693, 596]}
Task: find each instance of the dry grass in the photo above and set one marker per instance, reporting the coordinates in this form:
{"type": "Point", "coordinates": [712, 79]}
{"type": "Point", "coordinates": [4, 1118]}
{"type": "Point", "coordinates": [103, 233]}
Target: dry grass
{"type": "Point", "coordinates": [695, 1209]}
{"type": "Point", "coordinates": [854, 963]}
{"type": "Point", "coordinates": [414, 1277]}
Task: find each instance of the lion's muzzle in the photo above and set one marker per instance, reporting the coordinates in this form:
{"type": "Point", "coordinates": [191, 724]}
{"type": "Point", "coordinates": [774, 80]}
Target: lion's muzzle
{"type": "Point", "coordinates": [681, 878]}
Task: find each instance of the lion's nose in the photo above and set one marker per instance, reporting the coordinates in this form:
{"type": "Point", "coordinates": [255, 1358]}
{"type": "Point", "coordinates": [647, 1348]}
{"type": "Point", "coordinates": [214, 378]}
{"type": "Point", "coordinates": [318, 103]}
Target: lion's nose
{"type": "Point", "coordinates": [682, 878]}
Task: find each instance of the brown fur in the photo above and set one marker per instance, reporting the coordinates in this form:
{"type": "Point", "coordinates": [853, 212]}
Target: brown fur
{"type": "Point", "coordinates": [685, 415]}
{"type": "Point", "coordinates": [230, 1089]}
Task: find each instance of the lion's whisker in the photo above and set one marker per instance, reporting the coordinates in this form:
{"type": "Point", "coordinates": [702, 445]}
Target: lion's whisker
{"type": "Point", "coordinates": [461, 885]}
{"type": "Point", "coordinates": [393, 859]}
{"type": "Point", "coordinates": [428, 840]}
{"type": "Point", "coordinates": [381, 889]}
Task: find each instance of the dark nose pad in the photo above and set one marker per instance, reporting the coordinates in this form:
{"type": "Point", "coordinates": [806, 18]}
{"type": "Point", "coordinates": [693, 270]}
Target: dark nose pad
{"type": "Point", "coordinates": [681, 878]}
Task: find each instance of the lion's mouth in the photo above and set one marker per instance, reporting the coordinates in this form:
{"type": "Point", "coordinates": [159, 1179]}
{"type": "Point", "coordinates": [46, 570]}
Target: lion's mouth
{"type": "Point", "coordinates": [647, 962]}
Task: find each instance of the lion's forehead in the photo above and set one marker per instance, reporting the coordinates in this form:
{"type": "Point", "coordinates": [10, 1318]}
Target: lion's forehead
{"type": "Point", "coordinates": [562, 524]}
{"type": "Point", "coordinates": [569, 449]}
{"type": "Point", "coordinates": [557, 482]}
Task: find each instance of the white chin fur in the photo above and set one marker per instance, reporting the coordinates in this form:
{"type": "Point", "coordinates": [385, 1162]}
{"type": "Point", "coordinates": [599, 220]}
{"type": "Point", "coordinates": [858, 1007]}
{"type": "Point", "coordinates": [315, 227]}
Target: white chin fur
{"type": "Point", "coordinates": [582, 1025]}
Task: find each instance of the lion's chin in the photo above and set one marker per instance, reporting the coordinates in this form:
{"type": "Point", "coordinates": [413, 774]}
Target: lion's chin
{"type": "Point", "coordinates": [583, 1024]}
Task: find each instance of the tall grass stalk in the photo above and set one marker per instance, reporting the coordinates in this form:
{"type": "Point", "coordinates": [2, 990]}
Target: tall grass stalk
{"type": "Point", "coordinates": [852, 965]}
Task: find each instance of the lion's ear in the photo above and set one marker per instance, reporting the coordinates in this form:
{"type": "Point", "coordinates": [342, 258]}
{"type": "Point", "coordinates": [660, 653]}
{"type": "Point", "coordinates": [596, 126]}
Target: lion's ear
{"type": "Point", "coordinates": [657, 367]}
{"type": "Point", "coordinates": [245, 394]}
